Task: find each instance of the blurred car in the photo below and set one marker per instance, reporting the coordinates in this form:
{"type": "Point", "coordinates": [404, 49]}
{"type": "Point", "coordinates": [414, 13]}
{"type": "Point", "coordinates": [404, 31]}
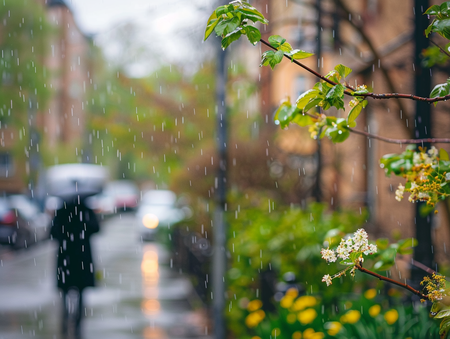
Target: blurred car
{"type": "Point", "coordinates": [158, 208]}
{"type": "Point", "coordinates": [21, 222]}
{"type": "Point", "coordinates": [122, 195]}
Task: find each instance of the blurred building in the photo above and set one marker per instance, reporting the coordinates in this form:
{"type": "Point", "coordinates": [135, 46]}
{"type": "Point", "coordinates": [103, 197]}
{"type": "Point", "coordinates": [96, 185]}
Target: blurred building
{"type": "Point", "coordinates": [61, 121]}
{"type": "Point", "coordinates": [373, 39]}
{"type": "Point", "coordinates": [69, 72]}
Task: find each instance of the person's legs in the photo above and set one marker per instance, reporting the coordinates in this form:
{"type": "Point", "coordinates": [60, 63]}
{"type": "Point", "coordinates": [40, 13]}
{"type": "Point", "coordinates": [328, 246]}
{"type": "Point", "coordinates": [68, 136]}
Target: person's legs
{"type": "Point", "coordinates": [65, 311]}
{"type": "Point", "coordinates": [79, 314]}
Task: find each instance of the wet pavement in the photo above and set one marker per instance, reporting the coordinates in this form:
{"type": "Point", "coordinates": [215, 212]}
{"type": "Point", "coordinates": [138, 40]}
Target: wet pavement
{"type": "Point", "coordinates": [139, 294]}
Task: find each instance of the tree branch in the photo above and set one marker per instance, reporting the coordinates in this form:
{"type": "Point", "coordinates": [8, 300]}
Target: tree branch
{"type": "Point", "coordinates": [350, 89]}
{"type": "Point", "coordinates": [392, 281]}
{"type": "Point", "coordinates": [375, 55]}
{"type": "Point", "coordinates": [400, 141]}
{"type": "Point", "coordinates": [442, 50]}
{"type": "Point", "coordinates": [390, 140]}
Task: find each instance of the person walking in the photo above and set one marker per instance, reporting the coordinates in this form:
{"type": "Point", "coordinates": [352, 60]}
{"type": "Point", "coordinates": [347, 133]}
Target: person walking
{"type": "Point", "coordinates": [73, 224]}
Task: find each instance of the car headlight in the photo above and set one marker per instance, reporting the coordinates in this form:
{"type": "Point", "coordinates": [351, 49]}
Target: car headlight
{"type": "Point", "coordinates": [150, 221]}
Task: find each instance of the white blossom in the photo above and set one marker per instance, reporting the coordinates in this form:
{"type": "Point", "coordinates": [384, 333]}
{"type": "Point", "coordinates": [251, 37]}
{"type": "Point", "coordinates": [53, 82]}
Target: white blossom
{"type": "Point", "coordinates": [328, 255]}
{"type": "Point", "coordinates": [371, 249]}
{"type": "Point", "coordinates": [399, 192]}
{"type": "Point", "coordinates": [327, 279]}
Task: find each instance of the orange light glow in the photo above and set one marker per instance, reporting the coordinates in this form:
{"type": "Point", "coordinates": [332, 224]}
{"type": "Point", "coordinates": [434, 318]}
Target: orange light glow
{"type": "Point", "coordinates": [150, 221]}
{"type": "Point", "coordinates": [151, 306]}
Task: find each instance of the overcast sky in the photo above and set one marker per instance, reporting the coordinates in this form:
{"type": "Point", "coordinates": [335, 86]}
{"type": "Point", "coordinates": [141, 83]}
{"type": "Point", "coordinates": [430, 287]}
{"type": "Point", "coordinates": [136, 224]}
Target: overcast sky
{"type": "Point", "coordinates": [162, 30]}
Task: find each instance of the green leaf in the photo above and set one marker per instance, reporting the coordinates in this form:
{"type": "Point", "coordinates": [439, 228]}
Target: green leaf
{"type": "Point", "coordinates": [361, 91]}
{"type": "Point", "coordinates": [425, 210]}
{"type": "Point", "coordinates": [212, 22]}
{"type": "Point", "coordinates": [441, 90]}
{"type": "Point", "coordinates": [276, 41]}
{"type": "Point", "coordinates": [444, 327]}
{"type": "Point", "coordinates": [352, 124]}
{"type": "Point", "coordinates": [445, 8]}
{"type": "Point", "coordinates": [383, 265]}
{"type": "Point", "coordinates": [283, 114]}
{"type": "Point", "coordinates": [337, 133]}
{"type": "Point", "coordinates": [298, 54]}
{"type": "Point", "coordinates": [266, 57]}
{"type": "Point", "coordinates": [335, 96]}
{"type": "Point", "coordinates": [343, 71]}
{"type": "Point", "coordinates": [433, 10]}
{"type": "Point", "coordinates": [405, 246]}
{"type": "Point", "coordinates": [306, 97]}
{"type": "Point", "coordinates": [442, 27]}
{"type": "Point", "coordinates": [354, 256]}
{"type": "Point", "coordinates": [285, 47]}
{"type": "Point", "coordinates": [229, 38]}
{"type": "Point", "coordinates": [253, 34]}
{"type": "Point", "coordinates": [346, 262]}
{"type": "Point", "coordinates": [443, 155]}
{"type": "Point", "coordinates": [312, 103]}
{"type": "Point", "coordinates": [355, 111]}
{"type": "Point", "coordinates": [428, 29]}
{"type": "Point", "coordinates": [435, 307]}
{"type": "Point", "coordinates": [382, 243]}
{"type": "Point", "coordinates": [443, 314]}
{"type": "Point", "coordinates": [252, 15]}
{"type": "Point", "coordinates": [228, 26]}
{"type": "Point", "coordinates": [277, 57]}
{"type": "Point", "coordinates": [390, 253]}
{"type": "Point", "coordinates": [221, 10]}
{"type": "Point", "coordinates": [301, 119]}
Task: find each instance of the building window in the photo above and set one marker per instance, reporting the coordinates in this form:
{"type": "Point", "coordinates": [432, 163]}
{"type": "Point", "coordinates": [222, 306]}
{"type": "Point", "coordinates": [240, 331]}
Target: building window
{"type": "Point", "coordinates": [6, 165]}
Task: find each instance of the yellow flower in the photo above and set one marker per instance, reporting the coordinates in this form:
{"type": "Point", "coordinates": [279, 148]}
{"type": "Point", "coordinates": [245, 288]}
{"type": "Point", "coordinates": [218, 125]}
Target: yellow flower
{"type": "Point", "coordinates": [304, 302]}
{"type": "Point", "coordinates": [291, 318]}
{"type": "Point", "coordinates": [253, 319]}
{"type": "Point", "coordinates": [374, 310]}
{"type": "Point", "coordinates": [391, 316]}
{"type": "Point", "coordinates": [370, 294]}
{"type": "Point", "coordinates": [308, 333]}
{"type": "Point", "coordinates": [297, 335]}
{"type": "Point", "coordinates": [286, 301]}
{"type": "Point", "coordinates": [276, 332]}
{"type": "Point", "coordinates": [317, 335]}
{"type": "Point", "coordinates": [292, 292]}
{"type": "Point", "coordinates": [307, 316]}
{"type": "Point", "coordinates": [256, 337]}
{"type": "Point", "coordinates": [351, 317]}
{"type": "Point", "coordinates": [334, 328]}
{"type": "Point", "coordinates": [254, 305]}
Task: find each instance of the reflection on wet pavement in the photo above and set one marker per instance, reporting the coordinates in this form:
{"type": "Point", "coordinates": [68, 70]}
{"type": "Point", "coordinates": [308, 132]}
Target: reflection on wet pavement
{"type": "Point", "coordinates": [138, 294]}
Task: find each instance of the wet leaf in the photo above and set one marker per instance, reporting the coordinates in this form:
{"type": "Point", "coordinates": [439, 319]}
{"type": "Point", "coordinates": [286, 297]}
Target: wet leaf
{"type": "Point", "coordinates": [343, 71]}
{"type": "Point", "coordinates": [253, 34]}
{"type": "Point", "coordinates": [443, 155]}
{"type": "Point", "coordinates": [355, 111]}
{"type": "Point", "coordinates": [212, 22]}
{"type": "Point", "coordinates": [298, 54]}
{"type": "Point", "coordinates": [382, 243]}
{"type": "Point", "coordinates": [229, 38]}
{"type": "Point", "coordinates": [253, 15]}
{"type": "Point", "coordinates": [276, 41]}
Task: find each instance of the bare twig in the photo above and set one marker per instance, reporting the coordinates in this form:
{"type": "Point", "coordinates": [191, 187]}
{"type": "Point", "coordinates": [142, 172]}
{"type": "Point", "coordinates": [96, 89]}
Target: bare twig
{"type": "Point", "coordinates": [390, 140]}
{"type": "Point", "coordinates": [400, 141]}
{"type": "Point", "coordinates": [375, 55]}
{"type": "Point", "coordinates": [350, 89]}
{"type": "Point", "coordinates": [392, 281]}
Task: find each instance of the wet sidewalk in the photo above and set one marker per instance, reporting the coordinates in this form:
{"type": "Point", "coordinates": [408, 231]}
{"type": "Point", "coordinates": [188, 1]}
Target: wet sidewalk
{"type": "Point", "coordinates": [138, 295]}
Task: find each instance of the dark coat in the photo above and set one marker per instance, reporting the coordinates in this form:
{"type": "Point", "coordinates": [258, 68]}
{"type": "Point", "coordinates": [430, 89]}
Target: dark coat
{"type": "Point", "coordinates": [73, 225]}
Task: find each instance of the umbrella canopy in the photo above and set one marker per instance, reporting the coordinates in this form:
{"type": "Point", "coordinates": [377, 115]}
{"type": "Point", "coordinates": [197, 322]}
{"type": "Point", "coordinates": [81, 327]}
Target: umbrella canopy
{"type": "Point", "coordinates": [76, 180]}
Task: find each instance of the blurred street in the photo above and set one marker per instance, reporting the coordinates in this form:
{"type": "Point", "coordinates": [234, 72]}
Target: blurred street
{"type": "Point", "coordinates": [138, 294]}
